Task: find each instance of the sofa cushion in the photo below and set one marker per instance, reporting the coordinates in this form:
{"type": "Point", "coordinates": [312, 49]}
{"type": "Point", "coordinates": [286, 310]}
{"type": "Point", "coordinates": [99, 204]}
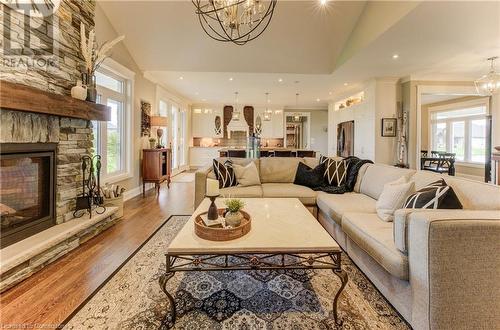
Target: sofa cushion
{"type": "Point", "coordinates": [374, 236]}
{"type": "Point", "coordinates": [309, 177]}
{"type": "Point", "coordinates": [473, 195]}
{"type": "Point", "coordinates": [289, 190]}
{"type": "Point", "coordinates": [377, 175]}
{"type": "Point", "coordinates": [335, 205]}
{"type": "Point", "coordinates": [361, 173]}
{"type": "Point", "coordinates": [278, 169]}
{"type": "Point", "coordinates": [241, 192]}
{"type": "Point", "coordinates": [247, 175]}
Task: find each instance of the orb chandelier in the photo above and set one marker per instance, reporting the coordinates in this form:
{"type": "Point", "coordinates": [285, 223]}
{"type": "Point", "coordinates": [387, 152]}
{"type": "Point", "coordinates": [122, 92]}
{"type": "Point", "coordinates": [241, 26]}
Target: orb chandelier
{"type": "Point", "coordinates": [236, 21]}
{"type": "Point", "coordinates": [489, 84]}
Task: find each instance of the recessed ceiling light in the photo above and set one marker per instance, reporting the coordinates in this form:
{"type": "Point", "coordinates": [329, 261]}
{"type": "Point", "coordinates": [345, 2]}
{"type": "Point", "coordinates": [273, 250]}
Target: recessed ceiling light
{"type": "Point", "coordinates": [317, 100]}
{"type": "Point", "coordinates": [280, 80]}
{"type": "Point", "coordinates": [231, 79]}
{"type": "Point", "coordinates": [181, 77]}
{"type": "Point", "coordinates": [345, 84]}
{"type": "Point", "coordinates": [323, 2]}
{"type": "Point", "coordinates": [395, 56]}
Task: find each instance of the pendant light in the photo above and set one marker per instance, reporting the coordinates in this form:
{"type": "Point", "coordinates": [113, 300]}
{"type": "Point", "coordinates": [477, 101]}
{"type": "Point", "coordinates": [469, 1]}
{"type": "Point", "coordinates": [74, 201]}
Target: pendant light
{"type": "Point", "coordinates": [296, 116]}
{"type": "Point", "coordinates": [489, 84]}
{"type": "Point", "coordinates": [236, 112]}
{"type": "Point", "coordinates": [267, 113]}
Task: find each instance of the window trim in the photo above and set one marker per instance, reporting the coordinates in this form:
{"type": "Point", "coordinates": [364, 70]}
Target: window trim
{"type": "Point", "coordinates": [115, 68]}
{"type": "Point", "coordinates": [484, 101]}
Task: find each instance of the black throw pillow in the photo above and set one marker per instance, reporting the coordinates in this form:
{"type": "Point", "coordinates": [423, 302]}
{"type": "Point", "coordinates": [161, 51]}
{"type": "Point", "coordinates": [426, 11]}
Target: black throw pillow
{"type": "Point", "coordinates": [309, 177]}
{"type": "Point", "coordinates": [225, 174]}
{"type": "Point", "coordinates": [436, 195]}
{"type": "Point", "coordinates": [335, 171]}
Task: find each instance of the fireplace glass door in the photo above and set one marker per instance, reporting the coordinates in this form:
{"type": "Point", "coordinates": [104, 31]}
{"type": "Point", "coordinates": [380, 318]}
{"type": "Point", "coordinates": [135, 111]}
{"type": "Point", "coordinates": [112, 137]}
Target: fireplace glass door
{"type": "Point", "coordinates": [26, 194]}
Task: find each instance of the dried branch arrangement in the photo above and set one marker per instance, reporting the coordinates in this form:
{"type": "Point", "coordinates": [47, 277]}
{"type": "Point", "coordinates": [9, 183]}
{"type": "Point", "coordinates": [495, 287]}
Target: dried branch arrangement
{"type": "Point", "coordinates": [91, 52]}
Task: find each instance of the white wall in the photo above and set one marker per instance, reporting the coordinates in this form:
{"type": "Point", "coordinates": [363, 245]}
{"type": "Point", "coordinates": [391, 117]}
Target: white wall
{"type": "Point", "coordinates": [144, 89]}
{"type": "Point", "coordinates": [380, 99]}
{"type": "Point", "coordinates": [385, 105]}
{"type": "Point", "coordinates": [319, 134]}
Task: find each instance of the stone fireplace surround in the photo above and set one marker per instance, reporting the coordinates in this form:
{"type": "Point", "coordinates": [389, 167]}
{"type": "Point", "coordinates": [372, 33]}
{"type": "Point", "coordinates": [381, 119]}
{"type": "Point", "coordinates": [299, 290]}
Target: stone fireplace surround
{"type": "Point", "coordinates": [47, 123]}
{"type": "Point", "coordinates": [74, 139]}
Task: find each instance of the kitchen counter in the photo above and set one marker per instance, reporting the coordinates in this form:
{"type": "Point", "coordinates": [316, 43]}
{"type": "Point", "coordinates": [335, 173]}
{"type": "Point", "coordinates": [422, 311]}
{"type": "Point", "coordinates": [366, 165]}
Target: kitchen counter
{"type": "Point", "coordinates": [225, 149]}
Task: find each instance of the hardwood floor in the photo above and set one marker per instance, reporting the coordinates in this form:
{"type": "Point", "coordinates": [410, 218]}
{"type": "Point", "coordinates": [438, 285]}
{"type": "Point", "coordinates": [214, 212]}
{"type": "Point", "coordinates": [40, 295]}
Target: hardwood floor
{"type": "Point", "coordinates": [48, 297]}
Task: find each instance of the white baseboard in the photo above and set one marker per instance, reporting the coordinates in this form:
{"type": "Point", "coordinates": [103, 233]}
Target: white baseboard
{"type": "Point", "coordinates": [129, 194]}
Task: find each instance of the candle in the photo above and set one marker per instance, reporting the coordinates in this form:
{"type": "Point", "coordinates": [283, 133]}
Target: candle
{"type": "Point", "coordinates": [212, 187]}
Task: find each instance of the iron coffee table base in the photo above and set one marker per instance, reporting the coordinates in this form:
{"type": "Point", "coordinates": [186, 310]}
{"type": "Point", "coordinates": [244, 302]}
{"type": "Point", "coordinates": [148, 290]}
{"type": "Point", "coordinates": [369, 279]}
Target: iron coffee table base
{"type": "Point", "coordinates": [249, 261]}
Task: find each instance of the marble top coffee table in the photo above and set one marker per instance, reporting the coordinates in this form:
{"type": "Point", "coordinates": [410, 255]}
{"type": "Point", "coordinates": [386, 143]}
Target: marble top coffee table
{"type": "Point", "coordinates": [284, 235]}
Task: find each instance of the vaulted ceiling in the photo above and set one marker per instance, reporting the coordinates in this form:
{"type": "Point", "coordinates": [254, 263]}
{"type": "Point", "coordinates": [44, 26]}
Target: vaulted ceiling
{"type": "Point", "coordinates": [314, 50]}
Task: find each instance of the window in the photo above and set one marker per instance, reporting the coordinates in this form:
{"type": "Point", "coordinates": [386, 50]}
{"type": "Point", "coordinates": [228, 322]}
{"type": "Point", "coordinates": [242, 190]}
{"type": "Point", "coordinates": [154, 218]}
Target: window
{"type": "Point", "coordinates": [112, 138]}
{"type": "Point", "coordinates": [461, 131]}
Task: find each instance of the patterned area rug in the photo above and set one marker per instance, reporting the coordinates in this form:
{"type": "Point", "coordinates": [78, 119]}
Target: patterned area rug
{"type": "Point", "coordinates": [302, 299]}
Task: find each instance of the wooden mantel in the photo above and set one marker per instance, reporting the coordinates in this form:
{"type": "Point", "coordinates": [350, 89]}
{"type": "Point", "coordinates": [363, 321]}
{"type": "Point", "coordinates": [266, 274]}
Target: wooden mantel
{"type": "Point", "coordinates": [24, 98]}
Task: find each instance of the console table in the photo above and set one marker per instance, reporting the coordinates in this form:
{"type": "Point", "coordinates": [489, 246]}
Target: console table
{"type": "Point", "coordinates": [156, 167]}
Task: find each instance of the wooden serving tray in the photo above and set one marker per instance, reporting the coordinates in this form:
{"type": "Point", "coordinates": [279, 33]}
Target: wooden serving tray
{"type": "Point", "coordinates": [220, 234]}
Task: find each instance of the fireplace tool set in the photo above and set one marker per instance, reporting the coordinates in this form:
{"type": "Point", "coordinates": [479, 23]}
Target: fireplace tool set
{"type": "Point", "coordinates": [91, 198]}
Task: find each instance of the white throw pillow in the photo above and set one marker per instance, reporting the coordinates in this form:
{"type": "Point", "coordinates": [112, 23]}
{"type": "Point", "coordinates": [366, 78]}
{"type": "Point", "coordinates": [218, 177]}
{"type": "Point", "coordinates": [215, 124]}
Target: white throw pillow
{"type": "Point", "coordinates": [246, 175]}
{"type": "Point", "coordinates": [393, 197]}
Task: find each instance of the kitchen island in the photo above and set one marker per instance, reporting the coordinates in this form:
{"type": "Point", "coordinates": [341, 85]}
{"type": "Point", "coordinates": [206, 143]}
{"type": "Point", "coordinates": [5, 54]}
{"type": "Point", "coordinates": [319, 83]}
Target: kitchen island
{"type": "Point", "coordinates": [240, 152]}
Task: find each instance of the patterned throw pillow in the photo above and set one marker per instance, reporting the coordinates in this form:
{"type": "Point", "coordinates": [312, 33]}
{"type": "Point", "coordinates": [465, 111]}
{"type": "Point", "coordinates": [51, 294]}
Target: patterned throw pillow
{"type": "Point", "coordinates": [335, 171]}
{"type": "Point", "coordinates": [437, 195]}
{"type": "Point", "coordinates": [224, 173]}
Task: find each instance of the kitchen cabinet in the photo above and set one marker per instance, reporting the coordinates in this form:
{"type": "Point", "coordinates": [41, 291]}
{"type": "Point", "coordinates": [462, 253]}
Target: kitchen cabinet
{"type": "Point", "coordinates": [207, 123]}
{"type": "Point", "coordinates": [274, 128]}
{"type": "Point", "coordinates": [202, 156]}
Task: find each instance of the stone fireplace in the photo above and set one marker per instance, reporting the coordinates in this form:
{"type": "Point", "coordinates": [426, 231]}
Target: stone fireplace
{"type": "Point", "coordinates": [40, 179]}
{"type": "Point", "coordinates": [43, 135]}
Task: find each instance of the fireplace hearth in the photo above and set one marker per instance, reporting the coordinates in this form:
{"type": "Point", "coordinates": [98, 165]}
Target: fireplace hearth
{"type": "Point", "coordinates": [27, 190]}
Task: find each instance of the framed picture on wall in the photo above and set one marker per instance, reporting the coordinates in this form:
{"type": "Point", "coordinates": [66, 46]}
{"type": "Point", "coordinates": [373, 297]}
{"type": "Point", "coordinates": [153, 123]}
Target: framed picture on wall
{"type": "Point", "coordinates": [389, 126]}
{"type": "Point", "coordinates": [145, 118]}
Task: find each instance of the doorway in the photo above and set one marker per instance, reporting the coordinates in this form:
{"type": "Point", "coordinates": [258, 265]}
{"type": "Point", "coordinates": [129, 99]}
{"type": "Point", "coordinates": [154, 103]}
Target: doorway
{"type": "Point", "coordinates": [455, 121]}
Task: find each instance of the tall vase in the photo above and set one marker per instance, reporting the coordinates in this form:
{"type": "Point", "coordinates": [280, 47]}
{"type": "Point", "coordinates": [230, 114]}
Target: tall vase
{"type": "Point", "coordinates": [91, 88]}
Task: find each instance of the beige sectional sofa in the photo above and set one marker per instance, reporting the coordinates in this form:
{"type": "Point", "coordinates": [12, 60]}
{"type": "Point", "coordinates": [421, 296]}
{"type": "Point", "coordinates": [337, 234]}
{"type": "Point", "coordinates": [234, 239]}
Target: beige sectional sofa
{"type": "Point", "coordinates": [439, 268]}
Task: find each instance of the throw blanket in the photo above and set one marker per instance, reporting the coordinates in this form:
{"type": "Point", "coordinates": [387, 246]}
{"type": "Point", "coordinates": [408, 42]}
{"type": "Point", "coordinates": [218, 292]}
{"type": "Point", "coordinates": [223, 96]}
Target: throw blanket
{"type": "Point", "coordinates": [353, 166]}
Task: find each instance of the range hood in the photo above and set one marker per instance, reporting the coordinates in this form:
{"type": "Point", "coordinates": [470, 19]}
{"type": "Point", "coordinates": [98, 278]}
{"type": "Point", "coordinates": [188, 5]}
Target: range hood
{"type": "Point", "coordinates": [237, 125]}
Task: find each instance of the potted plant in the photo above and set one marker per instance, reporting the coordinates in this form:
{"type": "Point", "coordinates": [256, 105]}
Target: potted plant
{"type": "Point", "coordinates": [152, 142]}
{"type": "Point", "coordinates": [233, 215]}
